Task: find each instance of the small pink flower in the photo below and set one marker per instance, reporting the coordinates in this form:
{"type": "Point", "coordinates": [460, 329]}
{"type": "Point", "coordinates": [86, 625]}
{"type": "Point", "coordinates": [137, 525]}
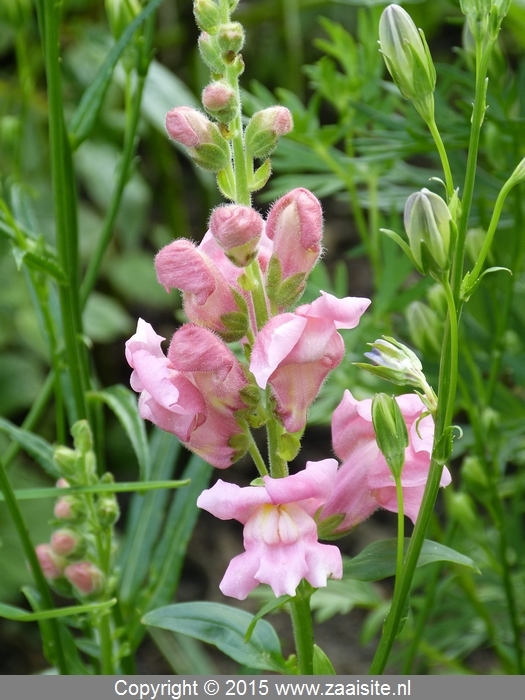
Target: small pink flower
{"type": "Point", "coordinates": [207, 291]}
{"type": "Point", "coordinates": [280, 534]}
{"type": "Point", "coordinates": [237, 229]}
{"type": "Point", "coordinates": [294, 352]}
{"type": "Point", "coordinates": [85, 577]}
{"type": "Point", "coordinates": [64, 542]}
{"type": "Point", "coordinates": [51, 563]}
{"type": "Point", "coordinates": [189, 127]}
{"type": "Point", "coordinates": [364, 481]}
{"type": "Point", "coordinates": [295, 225]}
{"type": "Point", "coordinates": [193, 393]}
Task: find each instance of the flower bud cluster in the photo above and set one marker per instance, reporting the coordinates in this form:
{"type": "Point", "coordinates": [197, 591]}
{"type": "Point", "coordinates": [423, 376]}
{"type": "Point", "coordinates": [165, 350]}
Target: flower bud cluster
{"type": "Point", "coordinates": [69, 560]}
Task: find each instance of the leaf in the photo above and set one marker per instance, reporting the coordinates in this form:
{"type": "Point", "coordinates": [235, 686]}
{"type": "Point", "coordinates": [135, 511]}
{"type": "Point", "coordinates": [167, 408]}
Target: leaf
{"type": "Point", "coordinates": [87, 111]}
{"type": "Point", "coordinates": [11, 612]}
{"type": "Point", "coordinates": [322, 664]}
{"type": "Point", "coordinates": [273, 604]}
{"type": "Point", "coordinates": [224, 627]}
{"type": "Point", "coordinates": [34, 445]}
{"type": "Point", "coordinates": [123, 403]}
{"type": "Point", "coordinates": [378, 560]}
{"type": "Point", "coordinates": [340, 597]}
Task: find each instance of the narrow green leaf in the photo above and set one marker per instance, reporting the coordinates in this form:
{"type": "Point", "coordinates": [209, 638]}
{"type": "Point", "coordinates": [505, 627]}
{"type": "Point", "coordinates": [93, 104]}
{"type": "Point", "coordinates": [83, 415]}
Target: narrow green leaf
{"type": "Point", "coordinates": [123, 402]}
{"type": "Point", "coordinates": [34, 445]}
{"type": "Point", "coordinates": [87, 111]}
{"type": "Point", "coordinates": [40, 263]}
{"type": "Point", "coordinates": [270, 606]}
{"type": "Point", "coordinates": [10, 612]}
{"type": "Point", "coordinates": [225, 627]}
{"type": "Point", "coordinates": [378, 560]}
{"type": "Point", "coordinates": [115, 487]}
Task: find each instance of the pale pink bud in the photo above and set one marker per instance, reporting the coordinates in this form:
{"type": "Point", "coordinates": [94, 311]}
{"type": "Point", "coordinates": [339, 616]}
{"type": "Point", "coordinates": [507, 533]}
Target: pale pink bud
{"type": "Point", "coordinates": [265, 128]}
{"type": "Point", "coordinates": [63, 509]}
{"type": "Point", "coordinates": [237, 229]}
{"type": "Point", "coordinates": [85, 577]}
{"type": "Point", "coordinates": [219, 99]}
{"type": "Point", "coordinates": [52, 565]}
{"type": "Point", "coordinates": [188, 126]}
{"type": "Point", "coordinates": [64, 542]}
{"type": "Point", "coordinates": [62, 483]}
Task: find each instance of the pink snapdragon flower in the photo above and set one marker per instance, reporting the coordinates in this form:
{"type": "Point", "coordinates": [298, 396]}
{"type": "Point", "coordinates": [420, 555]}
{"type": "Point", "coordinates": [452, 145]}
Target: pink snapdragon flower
{"type": "Point", "coordinates": [193, 393]}
{"type": "Point", "coordinates": [364, 481]}
{"type": "Point", "coordinates": [294, 352]}
{"type": "Point", "coordinates": [280, 533]}
{"type": "Point", "coordinates": [237, 229]}
{"type": "Point", "coordinates": [204, 275]}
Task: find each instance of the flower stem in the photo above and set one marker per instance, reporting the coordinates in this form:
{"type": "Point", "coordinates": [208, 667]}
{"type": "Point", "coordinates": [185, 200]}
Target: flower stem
{"type": "Point", "coordinates": [400, 528]}
{"type": "Point", "coordinates": [449, 182]}
{"type": "Point", "coordinates": [303, 628]}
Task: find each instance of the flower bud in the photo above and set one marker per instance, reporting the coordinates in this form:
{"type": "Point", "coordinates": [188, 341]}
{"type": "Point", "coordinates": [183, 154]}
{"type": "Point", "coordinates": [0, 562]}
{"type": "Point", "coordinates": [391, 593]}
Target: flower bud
{"type": "Point", "coordinates": [51, 563]}
{"type": "Point", "coordinates": [210, 53]}
{"type": "Point", "coordinates": [108, 510]}
{"type": "Point", "coordinates": [69, 508]}
{"type": "Point", "coordinates": [237, 230]}
{"type": "Point", "coordinates": [120, 14]}
{"type": "Point", "coordinates": [427, 223]}
{"type": "Point", "coordinates": [85, 577]}
{"type": "Point", "coordinates": [391, 431]}
{"type": "Point", "coordinates": [230, 38]}
{"type": "Point", "coordinates": [408, 58]}
{"type": "Point", "coordinates": [207, 15]}
{"type": "Point", "coordinates": [220, 101]}
{"type": "Point", "coordinates": [425, 328]}
{"type": "Point", "coordinates": [264, 129]}
{"type": "Point", "coordinates": [67, 461]}
{"type": "Point", "coordinates": [82, 436]}
{"type": "Point", "coordinates": [202, 138]}
{"type": "Point", "coordinates": [66, 542]}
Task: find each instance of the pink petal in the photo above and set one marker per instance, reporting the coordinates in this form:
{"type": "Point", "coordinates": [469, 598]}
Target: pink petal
{"type": "Point", "coordinates": [274, 342]}
{"type": "Point", "coordinates": [345, 313]}
{"type": "Point", "coordinates": [310, 488]}
{"type": "Point", "coordinates": [228, 501]}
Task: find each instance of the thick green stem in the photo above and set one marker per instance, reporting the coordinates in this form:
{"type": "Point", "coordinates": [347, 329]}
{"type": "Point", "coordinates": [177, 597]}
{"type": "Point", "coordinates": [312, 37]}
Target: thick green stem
{"type": "Point", "coordinates": [303, 628]}
{"type": "Point", "coordinates": [34, 565]}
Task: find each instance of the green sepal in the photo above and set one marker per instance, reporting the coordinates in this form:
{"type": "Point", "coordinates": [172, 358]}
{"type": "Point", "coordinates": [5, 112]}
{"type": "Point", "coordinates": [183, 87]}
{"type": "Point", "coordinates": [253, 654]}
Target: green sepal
{"type": "Point", "coordinates": [290, 444]}
{"type": "Point", "coordinates": [250, 395]}
{"type": "Point", "coordinates": [211, 156]}
{"type": "Point", "coordinates": [403, 245]}
{"type": "Point", "coordinates": [211, 55]}
{"type": "Point", "coordinates": [291, 290]}
{"type": "Point", "coordinates": [236, 326]}
{"type": "Point", "coordinates": [274, 276]}
{"type": "Point", "coordinates": [260, 177]}
{"type": "Point", "coordinates": [225, 183]}
{"type": "Point", "coordinates": [326, 528]}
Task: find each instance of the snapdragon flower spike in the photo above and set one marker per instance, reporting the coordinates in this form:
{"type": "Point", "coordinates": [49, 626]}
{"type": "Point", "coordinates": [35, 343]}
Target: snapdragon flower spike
{"type": "Point", "coordinates": [295, 225]}
{"type": "Point", "coordinates": [237, 229]}
{"type": "Point", "coordinates": [193, 393]}
{"type": "Point", "coordinates": [207, 293]}
{"type": "Point", "coordinates": [280, 533]}
{"type": "Point", "coordinates": [364, 481]}
{"type": "Point", "coordinates": [294, 353]}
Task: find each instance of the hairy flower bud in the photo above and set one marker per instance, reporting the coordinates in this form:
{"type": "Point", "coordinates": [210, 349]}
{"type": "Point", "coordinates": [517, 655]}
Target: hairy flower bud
{"type": "Point", "coordinates": [69, 508]}
{"type": "Point", "coordinates": [427, 223]}
{"type": "Point", "coordinates": [202, 138]}
{"type": "Point", "coordinates": [220, 101]}
{"type": "Point", "coordinates": [87, 578]}
{"type": "Point", "coordinates": [264, 129]}
{"type": "Point", "coordinates": [51, 563]}
{"type": "Point", "coordinates": [211, 53]}
{"type": "Point", "coordinates": [230, 38]}
{"type": "Point", "coordinates": [207, 15]}
{"type": "Point", "coordinates": [408, 58]}
{"type": "Point", "coordinates": [237, 230]}
{"type": "Point", "coordinates": [66, 542]}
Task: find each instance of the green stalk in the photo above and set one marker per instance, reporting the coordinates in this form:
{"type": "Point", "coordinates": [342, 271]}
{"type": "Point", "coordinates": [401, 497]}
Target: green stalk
{"type": "Point", "coordinates": [449, 182]}
{"type": "Point", "coordinates": [65, 206]}
{"type": "Point", "coordinates": [278, 466]}
{"type": "Point", "coordinates": [400, 527]}
{"type": "Point", "coordinates": [257, 458]}
{"type": "Point", "coordinates": [34, 565]}
{"type": "Point", "coordinates": [303, 628]}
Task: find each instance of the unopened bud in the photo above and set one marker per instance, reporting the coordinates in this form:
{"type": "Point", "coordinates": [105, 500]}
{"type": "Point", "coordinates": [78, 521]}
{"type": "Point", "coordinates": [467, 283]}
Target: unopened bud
{"type": "Point", "coordinates": [391, 431]}
{"type": "Point", "coordinates": [237, 230]}
{"type": "Point", "coordinates": [66, 542]}
{"type": "Point", "coordinates": [428, 226]}
{"type": "Point", "coordinates": [207, 15]}
{"type": "Point", "coordinates": [211, 53]}
{"type": "Point", "coordinates": [425, 328]}
{"type": "Point", "coordinates": [230, 38]}
{"type": "Point", "coordinates": [67, 461]}
{"type": "Point", "coordinates": [265, 128]}
{"type": "Point", "coordinates": [202, 138]}
{"type": "Point", "coordinates": [220, 101]}
{"type": "Point", "coordinates": [108, 510]}
{"type": "Point", "coordinates": [85, 577]}
{"type": "Point", "coordinates": [408, 58]}
{"type": "Point", "coordinates": [120, 14]}
{"type": "Point", "coordinates": [82, 436]}
{"type": "Point", "coordinates": [69, 508]}
{"type": "Point", "coordinates": [51, 563]}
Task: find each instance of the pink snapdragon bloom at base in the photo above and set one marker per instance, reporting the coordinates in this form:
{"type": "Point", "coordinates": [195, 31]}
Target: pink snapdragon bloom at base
{"type": "Point", "coordinates": [193, 393]}
{"type": "Point", "coordinates": [294, 352]}
{"type": "Point", "coordinates": [280, 534]}
{"type": "Point", "coordinates": [364, 481]}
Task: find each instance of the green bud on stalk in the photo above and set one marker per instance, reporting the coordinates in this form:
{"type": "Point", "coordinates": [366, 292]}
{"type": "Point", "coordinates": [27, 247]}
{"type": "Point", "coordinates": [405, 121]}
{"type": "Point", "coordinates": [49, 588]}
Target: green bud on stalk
{"type": "Point", "coordinates": [210, 53]}
{"type": "Point", "coordinates": [408, 59]}
{"type": "Point", "coordinates": [207, 15]}
{"type": "Point", "coordinates": [120, 14]}
{"type": "Point", "coordinates": [391, 431]}
{"type": "Point", "coordinates": [428, 226]}
{"type": "Point", "coordinates": [230, 38]}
